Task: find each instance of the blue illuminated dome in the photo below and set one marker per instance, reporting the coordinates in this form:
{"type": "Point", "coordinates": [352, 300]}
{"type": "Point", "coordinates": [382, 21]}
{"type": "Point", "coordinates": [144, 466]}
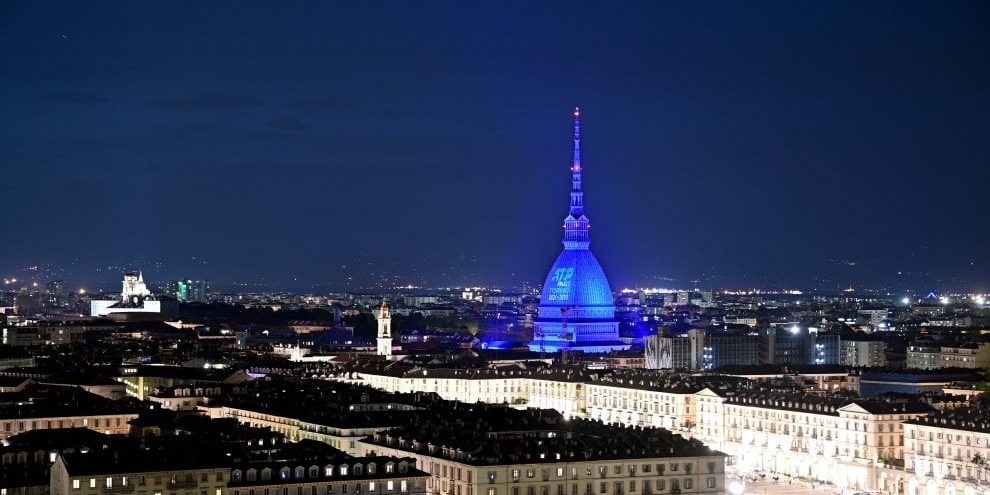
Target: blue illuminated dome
{"type": "Point", "coordinates": [587, 288]}
{"type": "Point", "coordinates": [576, 306]}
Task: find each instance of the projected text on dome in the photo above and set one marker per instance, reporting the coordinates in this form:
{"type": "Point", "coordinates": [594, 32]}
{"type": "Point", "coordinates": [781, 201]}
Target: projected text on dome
{"type": "Point", "coordinates": [562, 284]}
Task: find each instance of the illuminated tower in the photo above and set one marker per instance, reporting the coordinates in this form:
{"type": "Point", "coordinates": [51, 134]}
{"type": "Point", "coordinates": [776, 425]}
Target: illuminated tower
{"type": "Point", "coordinates": [576, 307]}
{"type": "Point", "coordinates": [384, 318]}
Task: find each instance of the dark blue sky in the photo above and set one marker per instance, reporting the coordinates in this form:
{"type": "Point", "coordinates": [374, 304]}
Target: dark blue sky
{"type": "Point", "coordinates": [810, 144]}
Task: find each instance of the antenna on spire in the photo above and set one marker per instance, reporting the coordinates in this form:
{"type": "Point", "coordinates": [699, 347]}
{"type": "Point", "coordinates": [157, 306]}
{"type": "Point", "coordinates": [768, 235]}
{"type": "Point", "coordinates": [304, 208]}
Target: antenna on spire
{"type": "Point", "coordinates": [576, 224]}
{"type": "Point", "coordinates": [576, 165]}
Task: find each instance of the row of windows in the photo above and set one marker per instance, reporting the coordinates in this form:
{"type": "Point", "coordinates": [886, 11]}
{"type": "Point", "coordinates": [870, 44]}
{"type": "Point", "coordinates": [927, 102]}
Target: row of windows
{"type": "Point", "coordinates": [970, 440]}
{"type": "Point", "coordinates": [644, 487]}
{"type": "Point", "coordinates": [142, 480]}
{"type": "Point", "coordinates": [314, 471]}
{"type": "Point", "coordinates": [97, 422]}
{"type": "Point", "coordinates": [389, 486]}
{"type": "Point", "coordinates": [618, 469]}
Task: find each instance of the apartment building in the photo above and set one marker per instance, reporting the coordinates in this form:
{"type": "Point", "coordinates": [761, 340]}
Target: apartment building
{"type": "Point", "coordinates": [143, 381]}
{"type": "Point", "coordinates": [556, 388]}
{"type": "Point", "coordinates": [45, 407]}
{"type": "Point", "coordinates": [645, 399]}
{"type": "Point", "coordinates": [861, 352]}
{"type": "Point", "coordinates": [318, 470]}
{"type": "Point", "coordinates": [552, 460]}
{"type": "Point", "coordinates": [476, 448]}
{"type": "Point", "coordinates": [100, 472]}
{"type": "Point", "coordinates": [823, 438]}
{"type": "Point", "coordinates": [969, 355]}
{"type": "Point", "coordinates": [947, 453]}
{"type": "Point", "coordinates": [854, 444]}
{"type": "Point", "coordinates": [341, 433]}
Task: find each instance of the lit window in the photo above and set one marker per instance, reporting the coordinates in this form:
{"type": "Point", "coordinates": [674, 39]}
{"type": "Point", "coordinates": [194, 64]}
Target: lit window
{"type": "Point", "coordinates": [75, 484]}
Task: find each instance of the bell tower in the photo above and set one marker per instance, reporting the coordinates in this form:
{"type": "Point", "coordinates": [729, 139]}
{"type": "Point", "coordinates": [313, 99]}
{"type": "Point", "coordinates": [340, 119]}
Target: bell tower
{"type": "Point", "coordinates": [384, 318]}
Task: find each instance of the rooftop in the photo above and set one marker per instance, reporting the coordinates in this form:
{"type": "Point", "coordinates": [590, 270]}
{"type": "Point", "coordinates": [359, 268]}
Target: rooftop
{"type": "Point", "coordinates": [480, 434]}
{"type": "Point", "coordinates": [973, 418]}
{"type": "Point", "coordinates": [816, 404]}
{"type": "Point", "coordinates": [39, 401]}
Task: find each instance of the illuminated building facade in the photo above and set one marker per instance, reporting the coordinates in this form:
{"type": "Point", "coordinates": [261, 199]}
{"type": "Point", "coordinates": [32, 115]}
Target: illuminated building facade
{"type": "Point", "coordinates": [188, 290]}
{"type": "Point", "coordinates": [946, 454]}
{"type": "Point", "coordinates": [863, 352]}
{"type": "Point", "coordinates": [853, 444]}
{"type": "Point", "coordinates": [384, 318]}
{"type": "Point", "coordinates": [133, 287]}
{"type": "Point", "coordinates": [135, 302]}
{"type": "Point", "coordinates": [847, 443]}
{"type": "Point", "coordinates": [576, 309]}
{"type": "Point", "coordinates": [933, 356]}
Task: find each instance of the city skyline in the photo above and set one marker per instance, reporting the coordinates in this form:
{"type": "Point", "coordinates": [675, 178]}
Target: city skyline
{"type": "Point", "coordinates": [366, 149]}
{"type": "Point", "coordinates": [507, 248]}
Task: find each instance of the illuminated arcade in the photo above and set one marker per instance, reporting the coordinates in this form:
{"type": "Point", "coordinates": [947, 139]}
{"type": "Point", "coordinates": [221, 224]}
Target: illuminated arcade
{"type": "Point", "coordinates": [576, 311]}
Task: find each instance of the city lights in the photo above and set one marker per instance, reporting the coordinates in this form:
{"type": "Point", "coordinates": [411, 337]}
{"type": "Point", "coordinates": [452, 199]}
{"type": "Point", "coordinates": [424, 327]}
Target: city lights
{"type": "Point", "coordinates": [311, 250]}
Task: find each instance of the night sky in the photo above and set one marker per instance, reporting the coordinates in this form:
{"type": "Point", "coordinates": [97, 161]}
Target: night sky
{"type": "Point", "coordinates": [347, 144]}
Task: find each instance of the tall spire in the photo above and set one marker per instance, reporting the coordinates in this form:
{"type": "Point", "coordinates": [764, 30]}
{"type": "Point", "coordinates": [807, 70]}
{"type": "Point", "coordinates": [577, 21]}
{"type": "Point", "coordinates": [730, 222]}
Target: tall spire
{"type": "Point", "coordinates": [577, 196]}
{"type": "Point", "coordinates": [577, 139]}
{"type": "Point", "coordinates": [576, 225]}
